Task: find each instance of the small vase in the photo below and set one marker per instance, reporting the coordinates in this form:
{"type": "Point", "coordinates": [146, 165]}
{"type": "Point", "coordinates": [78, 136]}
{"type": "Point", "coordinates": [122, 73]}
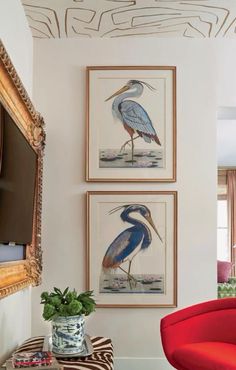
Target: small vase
{"type": "Point", "coordinates": [68, 334]}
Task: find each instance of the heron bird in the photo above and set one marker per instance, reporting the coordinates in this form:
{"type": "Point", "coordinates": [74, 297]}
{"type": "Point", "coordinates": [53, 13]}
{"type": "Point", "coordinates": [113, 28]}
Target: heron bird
{"type": "Point", "coordinates": [130, 241]}
{"type": "Point", "coordinates": [134, 117]}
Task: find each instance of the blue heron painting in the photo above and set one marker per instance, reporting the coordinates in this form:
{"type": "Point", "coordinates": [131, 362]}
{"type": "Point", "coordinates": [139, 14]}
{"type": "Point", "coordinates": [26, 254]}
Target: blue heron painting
{"type": "Point", "coordinates": [130, 241]}
{"type": "Point", "coordinates": [134, 118]}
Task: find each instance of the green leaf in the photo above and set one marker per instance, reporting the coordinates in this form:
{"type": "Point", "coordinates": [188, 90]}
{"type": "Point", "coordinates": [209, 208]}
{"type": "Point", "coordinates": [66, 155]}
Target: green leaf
{"type": "Point", "coordinates": [65, 291]}
{"type": "Point", "coordinates": [74, 307]}
{"type": "Point", "coordinates": [48, 311]}
{"type": "Point", "coordinates": [57, 290]}
{"type": "Point", "coordinates": [44, 297]}
{"type": "Point", "coordinates": [55, 301]}
{"type": "Point", "coordinates": [70, 296]}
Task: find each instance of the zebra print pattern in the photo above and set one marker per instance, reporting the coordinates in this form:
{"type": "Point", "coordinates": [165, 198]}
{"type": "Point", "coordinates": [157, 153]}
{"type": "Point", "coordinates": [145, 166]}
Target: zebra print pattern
{"type": "Point", "coordinates": [101, 358]}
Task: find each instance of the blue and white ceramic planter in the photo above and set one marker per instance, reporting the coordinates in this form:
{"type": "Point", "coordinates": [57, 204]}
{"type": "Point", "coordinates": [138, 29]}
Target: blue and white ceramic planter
{"type": "Point", "coordinates": [68, 334]}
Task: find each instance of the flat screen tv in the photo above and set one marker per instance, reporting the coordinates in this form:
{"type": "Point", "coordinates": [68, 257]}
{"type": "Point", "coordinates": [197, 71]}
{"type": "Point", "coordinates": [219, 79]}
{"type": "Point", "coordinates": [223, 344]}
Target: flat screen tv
{"type": "Point", "coordinates": [18, 170]}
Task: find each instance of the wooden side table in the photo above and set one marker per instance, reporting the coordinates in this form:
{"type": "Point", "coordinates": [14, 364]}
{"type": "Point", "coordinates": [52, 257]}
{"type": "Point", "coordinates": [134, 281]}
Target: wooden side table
{"type": "Point", "coordinates": [101, 358]}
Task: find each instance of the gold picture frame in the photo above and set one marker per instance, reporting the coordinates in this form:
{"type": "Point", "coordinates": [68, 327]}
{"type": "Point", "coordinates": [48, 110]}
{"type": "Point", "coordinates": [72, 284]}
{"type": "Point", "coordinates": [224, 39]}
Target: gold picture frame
{"type": "Point", "coordinates": [131, 124]}
{"type": "Point", "coordinates": [118, 224]}
{"type": "Point", "coordinates": [15, 100]}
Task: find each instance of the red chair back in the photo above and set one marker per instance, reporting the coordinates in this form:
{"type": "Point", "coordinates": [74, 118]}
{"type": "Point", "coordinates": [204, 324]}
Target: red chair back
{"type": "Point", "coordinates": [208, 321]}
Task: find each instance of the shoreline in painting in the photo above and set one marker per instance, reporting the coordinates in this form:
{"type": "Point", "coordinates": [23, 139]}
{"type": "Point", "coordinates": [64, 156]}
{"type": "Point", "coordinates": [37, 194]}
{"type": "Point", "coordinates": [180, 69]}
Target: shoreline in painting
{"type": "Point", "coordinates": [118, 283]}
{"type": "Point", "coordinates": [143, 158]}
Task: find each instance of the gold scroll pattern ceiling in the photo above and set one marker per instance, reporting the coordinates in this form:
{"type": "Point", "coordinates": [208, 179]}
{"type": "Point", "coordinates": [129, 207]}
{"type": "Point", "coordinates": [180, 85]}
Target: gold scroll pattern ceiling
{"type": "Point", "coordinates": [127, 18]}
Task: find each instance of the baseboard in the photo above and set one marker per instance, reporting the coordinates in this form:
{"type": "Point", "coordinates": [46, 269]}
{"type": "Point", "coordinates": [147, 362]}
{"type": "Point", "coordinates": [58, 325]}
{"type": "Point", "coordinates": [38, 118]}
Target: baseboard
{"type": "Point", "coordinates": [129, 363]}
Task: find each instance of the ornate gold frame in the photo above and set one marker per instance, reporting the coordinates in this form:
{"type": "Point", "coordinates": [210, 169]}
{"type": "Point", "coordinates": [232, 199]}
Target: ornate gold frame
{"type": "Point", "coordinates": [13, 96]}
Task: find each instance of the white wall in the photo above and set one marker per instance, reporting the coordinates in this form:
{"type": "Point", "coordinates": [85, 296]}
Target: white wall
{"type": "Point", "coordinates": [226, 76]}
{"type": "Point", "coordinates": [59, 94]}
{"type": "Point", "coordinates": [226, 147]}
{"type": "Point", "coordinates": [17, 39]}
{"type": "Point", "coordinates": [15, 310]}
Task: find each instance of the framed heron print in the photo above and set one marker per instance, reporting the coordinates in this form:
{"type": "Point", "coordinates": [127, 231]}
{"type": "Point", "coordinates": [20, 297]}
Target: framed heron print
{"type": "Point", "coordinates": [131, 124]}
{"type": "Point", "coordinates": [131, 248]}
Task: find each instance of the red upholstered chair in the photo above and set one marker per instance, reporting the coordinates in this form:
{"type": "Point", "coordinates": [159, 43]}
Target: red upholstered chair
{"type": "Point", "coordinates": [201, 337]}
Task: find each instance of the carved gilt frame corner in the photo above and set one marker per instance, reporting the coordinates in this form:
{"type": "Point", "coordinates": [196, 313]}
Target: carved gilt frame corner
{"type": "Point", "coordinates": [15, 276]}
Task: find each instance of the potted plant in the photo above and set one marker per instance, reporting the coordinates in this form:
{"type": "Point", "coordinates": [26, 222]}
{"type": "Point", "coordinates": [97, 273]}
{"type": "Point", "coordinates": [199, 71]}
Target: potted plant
{"type": "Point", "coordinates": [66, 310]}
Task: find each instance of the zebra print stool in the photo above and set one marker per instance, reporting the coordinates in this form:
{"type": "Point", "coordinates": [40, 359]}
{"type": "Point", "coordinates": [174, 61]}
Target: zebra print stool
{"type": "Point", "coordinates": [100, 359]}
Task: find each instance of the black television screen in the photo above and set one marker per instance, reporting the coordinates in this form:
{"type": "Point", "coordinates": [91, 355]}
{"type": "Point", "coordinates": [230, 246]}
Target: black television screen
{"type": "Point", "coordinates": [18, 168]}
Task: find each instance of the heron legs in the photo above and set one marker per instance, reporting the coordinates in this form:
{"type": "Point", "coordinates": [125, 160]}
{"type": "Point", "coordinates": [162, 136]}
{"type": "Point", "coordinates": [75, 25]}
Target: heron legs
{"type": "Point", "coordinates": [132, 144]}
{"type": "Point", "coordinates": [130, 277]}
{"type": "Point", "coordinates": [128, 274]}
{"type": "Point", "coordinates": [122, 149]}
{"type": "Point", "coordinates": [130, 282]}
{"type": "Point", "coordinates": [129, 267]}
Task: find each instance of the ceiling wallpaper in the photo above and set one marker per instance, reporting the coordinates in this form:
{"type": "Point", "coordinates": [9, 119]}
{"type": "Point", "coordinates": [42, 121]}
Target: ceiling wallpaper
{"type": "Point", "coordinates": [127, 18]}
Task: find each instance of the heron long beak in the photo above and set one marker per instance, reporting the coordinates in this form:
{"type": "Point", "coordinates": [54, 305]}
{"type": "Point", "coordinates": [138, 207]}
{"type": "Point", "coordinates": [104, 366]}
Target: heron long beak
{"type": "Point", "coordinates": [149, 219]}
{"type": "Point", "coordinates": [123, 89]}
